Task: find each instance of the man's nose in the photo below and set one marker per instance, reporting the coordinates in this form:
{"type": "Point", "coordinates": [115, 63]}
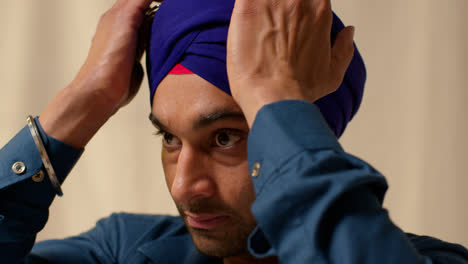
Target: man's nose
{"type": "Point", "coordinates": [193, 178]}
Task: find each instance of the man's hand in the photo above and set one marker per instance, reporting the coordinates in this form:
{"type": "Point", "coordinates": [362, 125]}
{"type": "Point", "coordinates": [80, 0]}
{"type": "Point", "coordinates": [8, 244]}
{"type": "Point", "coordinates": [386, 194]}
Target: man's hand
{"type": "Point", "coordinates": [109, 78]}
{"type": "Point", "coordinates": [281, 49]}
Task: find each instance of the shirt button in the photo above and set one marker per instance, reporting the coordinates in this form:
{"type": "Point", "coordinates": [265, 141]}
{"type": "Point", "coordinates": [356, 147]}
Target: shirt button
{"type": "Point", "coordinates": [39, 177]}
{"type": "Point", "coordinates": [256, 169]}
{"type": "Point", "coordinates": [18, 168]}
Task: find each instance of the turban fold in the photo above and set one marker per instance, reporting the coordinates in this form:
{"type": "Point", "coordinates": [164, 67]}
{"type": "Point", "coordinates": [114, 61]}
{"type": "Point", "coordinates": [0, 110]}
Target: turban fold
{"type": "Point", "coordinates": [194, 34]}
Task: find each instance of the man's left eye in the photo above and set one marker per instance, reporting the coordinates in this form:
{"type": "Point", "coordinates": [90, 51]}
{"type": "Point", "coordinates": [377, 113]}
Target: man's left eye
{"type": "Point", "coordinates": [225, 139]}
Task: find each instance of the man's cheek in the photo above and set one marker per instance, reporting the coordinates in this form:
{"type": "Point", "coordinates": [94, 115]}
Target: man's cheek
{"type": "Point", "coordinates": [168, 168]}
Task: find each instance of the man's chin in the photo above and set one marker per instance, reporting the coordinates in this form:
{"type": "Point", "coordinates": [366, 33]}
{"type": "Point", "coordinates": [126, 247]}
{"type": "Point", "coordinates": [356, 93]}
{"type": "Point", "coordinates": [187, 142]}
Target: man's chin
{"type": "Point", "coordinates": [224, 237]}
{"type": "Point", "coordinates": [218, 243]}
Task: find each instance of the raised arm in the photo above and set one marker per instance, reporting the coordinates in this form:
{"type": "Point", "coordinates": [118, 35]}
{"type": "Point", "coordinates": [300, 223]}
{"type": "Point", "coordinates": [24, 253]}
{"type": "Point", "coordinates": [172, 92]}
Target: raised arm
{"type": "Point", "coordinates": [108, 80]}
{"type": "Point", "coordinates": [314, 202]}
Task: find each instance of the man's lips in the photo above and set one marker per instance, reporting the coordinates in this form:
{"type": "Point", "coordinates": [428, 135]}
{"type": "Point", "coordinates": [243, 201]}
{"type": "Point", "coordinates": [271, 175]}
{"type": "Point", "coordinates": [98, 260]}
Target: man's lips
{"type": "Point", "coordinates": [205, 221]}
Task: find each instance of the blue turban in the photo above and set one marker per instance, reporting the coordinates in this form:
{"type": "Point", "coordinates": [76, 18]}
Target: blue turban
{"type": "Point", "coordinates": [194, 34]}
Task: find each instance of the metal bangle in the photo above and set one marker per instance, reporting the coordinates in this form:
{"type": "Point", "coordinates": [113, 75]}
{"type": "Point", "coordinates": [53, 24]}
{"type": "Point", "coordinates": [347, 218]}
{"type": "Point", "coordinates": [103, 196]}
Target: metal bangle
{"type": "Point", "coordinates": [43, 153]}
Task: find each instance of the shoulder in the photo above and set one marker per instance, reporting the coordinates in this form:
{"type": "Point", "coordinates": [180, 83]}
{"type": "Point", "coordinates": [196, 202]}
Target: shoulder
{"type": "Point", "coordinates": [122, 233]}
{"type": "Point", "coordinates": [113, 239]}
{"type": "Point", "coordinates": [439, 251]}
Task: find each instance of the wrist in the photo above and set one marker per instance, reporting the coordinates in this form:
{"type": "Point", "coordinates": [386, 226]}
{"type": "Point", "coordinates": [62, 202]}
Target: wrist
{"type": "Point", "coordinates": [255, 95]}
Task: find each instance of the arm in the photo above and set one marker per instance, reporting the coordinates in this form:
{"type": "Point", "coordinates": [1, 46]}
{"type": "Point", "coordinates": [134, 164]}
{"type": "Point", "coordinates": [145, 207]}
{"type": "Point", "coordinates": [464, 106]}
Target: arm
{"type": "Point", "coordinates": [24, 202]}
{"type": "Point", "coordinates": [316, 203]}
{"type": "Point", "coordinates": [108, 80]}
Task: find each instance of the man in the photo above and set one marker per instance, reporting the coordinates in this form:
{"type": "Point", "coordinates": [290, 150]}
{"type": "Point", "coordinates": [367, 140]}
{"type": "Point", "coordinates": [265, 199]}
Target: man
{"type": "Point", "coordinates": [297, 199]}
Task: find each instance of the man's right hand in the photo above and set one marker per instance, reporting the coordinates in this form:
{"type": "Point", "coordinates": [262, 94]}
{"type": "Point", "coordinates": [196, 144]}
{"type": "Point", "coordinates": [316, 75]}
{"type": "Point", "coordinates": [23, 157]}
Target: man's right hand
{"type": "Point", "coordinates": [108, 80]}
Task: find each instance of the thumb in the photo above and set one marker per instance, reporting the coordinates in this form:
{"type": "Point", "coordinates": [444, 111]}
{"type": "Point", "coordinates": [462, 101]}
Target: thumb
{"type": "Point", "coordinates": [135, 83]}
{"type": "Point", "coordinates": [342, 52]}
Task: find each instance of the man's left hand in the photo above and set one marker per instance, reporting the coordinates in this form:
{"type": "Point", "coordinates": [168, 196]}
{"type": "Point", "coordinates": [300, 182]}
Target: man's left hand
{"type": "Point", "coordinates": [281, 49]}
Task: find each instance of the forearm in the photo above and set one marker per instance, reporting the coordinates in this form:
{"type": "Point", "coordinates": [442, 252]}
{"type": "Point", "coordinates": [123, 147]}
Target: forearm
{"type": "Point", "coordinates": [314, 202]}
{"type": "Point", "coordinates": [76, 113]}
{"type": "Point", "coordinates": [109, 79]}
{"type": "Point", "coordinates": [333, 216]}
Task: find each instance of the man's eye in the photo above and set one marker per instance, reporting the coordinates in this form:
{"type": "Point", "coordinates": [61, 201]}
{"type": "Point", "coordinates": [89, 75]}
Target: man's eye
{"type": "Point", "coordinates": [225, 139]}
{"type": "Point", "coordinates": [170, 140]}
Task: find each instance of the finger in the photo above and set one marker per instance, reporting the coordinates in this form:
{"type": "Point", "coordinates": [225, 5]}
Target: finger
{"type": "Point", "coordinates": [134, 4]}
{"type": "Point", "coordinates": [321, 7]}
{"type": "Point", "coordinates": [248, 7]}
{"type": "Point", "coordinates": [134, 9]}
{"type": "Point", "coordinates": [342, 53]}
{"type": "Point", "coordinates": [141, 5]}
{"type": "Point", "coordinates": [322, 16]}
{"type": "Point", "coordinates": [144, 35]}
{"type": "Point", "coordinates": [135, 82]}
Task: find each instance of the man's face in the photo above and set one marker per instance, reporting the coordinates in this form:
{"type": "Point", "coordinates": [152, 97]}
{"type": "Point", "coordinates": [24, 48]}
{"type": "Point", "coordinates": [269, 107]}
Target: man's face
{"type": "Point", "coordinates": [204, 156]}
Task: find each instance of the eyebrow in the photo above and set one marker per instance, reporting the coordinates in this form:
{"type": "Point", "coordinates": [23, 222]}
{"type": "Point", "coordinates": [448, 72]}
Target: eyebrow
{"type": "Point", "coordinates": [157, 123]}
{"type": "Point", "coordinates": [205, 120]}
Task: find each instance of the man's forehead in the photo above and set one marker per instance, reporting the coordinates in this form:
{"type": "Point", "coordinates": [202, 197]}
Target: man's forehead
{"type": "Point", "coordinates": [203, 119]}
{"type": "Point", "coordinates": [191, 99]}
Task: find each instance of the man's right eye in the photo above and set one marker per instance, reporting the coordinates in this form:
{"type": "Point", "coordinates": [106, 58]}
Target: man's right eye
{"type": "Point", "coordinates": [170, 140]}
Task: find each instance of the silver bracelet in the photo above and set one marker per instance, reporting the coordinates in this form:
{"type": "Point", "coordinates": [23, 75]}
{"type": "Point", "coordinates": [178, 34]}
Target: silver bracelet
{"type": "Point", "coordinates": [45, 158]}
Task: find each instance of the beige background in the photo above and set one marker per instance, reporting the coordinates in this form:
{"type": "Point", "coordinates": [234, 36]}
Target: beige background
{"type": "Point", "coordinates": [412, 125]}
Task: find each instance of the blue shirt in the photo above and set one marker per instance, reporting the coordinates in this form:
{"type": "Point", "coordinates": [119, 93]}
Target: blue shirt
{"type": "Point", "coordinates": [314, 204]}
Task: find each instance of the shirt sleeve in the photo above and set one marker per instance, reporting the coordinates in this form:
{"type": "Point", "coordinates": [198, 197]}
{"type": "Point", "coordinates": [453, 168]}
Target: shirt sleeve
{"type": "Point", "coordinates": [24, 202]}
{"type": "Point", "coordinates": [317, 204]}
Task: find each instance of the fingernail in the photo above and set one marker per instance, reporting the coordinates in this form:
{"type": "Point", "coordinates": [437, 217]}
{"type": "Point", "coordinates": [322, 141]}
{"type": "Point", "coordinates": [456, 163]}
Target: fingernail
{"type": "Point", "coordinates": [353, 31]}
